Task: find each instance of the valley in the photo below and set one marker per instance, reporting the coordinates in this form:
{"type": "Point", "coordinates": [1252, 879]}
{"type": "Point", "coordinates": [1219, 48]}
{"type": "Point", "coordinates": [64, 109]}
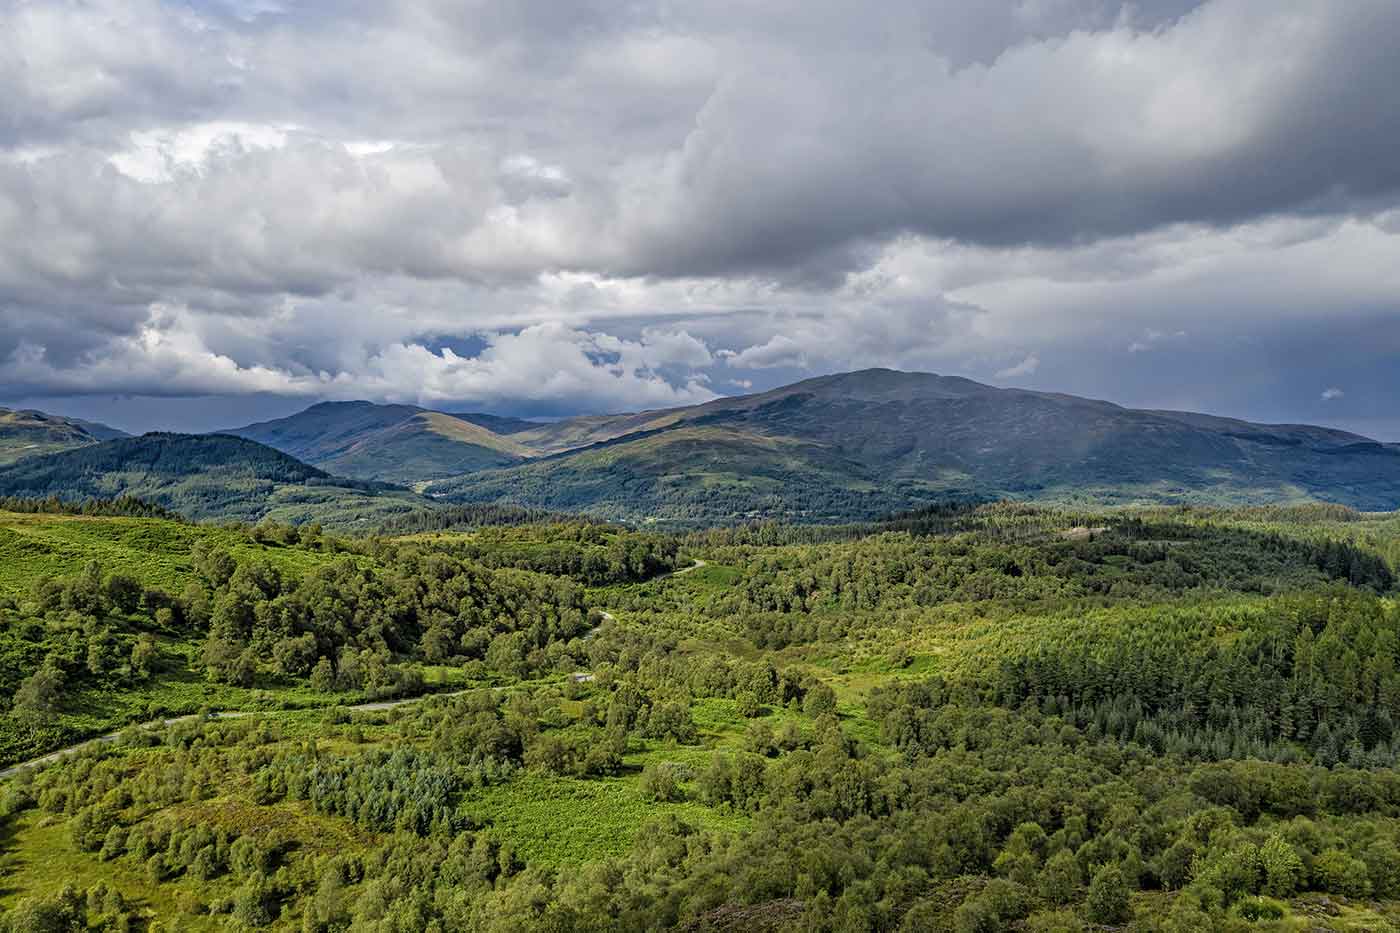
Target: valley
{"type": "Point", "coordinates": [1177, 718]}
{"type": "Point", "coordinates": [795, 660]}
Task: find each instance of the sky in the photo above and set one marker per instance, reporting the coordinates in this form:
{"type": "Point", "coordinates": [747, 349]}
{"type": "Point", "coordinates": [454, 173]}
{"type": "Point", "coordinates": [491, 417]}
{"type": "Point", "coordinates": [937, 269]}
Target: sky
{"type": "Point", "coordinates": [220, 211]}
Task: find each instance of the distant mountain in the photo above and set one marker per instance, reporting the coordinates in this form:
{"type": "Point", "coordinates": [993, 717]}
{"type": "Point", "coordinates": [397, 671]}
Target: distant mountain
{"type": "Point", "coordinates": [835, 448]}
{"type": "Point", "coordinates": [215, 476]}
{"type": "Point", "coordinates": [395, 443]}
{"type": "Point", "coordinates": [860, 444]}
{"type": "Point", "coordinates": [28, 433]}
{"type": "Point", "coordinates": [497, 424]}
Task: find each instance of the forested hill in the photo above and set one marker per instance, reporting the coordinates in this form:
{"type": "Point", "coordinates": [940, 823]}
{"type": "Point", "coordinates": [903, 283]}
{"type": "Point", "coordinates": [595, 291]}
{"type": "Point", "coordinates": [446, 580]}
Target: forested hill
{"type": "Point", "coordinates": [206, 477]}
{"type": "Point", "coordinates": [857, 445]}
{"type": "Point", "coordinates": [29, 433]}
{"type": "Point", "coordinates": [395, 443]}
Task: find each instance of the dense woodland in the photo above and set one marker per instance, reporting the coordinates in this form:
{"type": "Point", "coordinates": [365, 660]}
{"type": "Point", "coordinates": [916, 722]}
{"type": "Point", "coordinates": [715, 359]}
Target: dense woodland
{"type": "Point", "coordinates": [975, 718]}
{"type": "Point", "coordinates": [213, 477]}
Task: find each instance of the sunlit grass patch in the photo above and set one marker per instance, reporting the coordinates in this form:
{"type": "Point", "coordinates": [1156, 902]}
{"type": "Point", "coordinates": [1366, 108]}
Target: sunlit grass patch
{"type": "Point", "coordinates": [552, 821]}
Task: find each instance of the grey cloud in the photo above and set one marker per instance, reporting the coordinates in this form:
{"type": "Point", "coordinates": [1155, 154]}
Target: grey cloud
{"type": "Point", "coordinates": [1023, 188]}
{"type": "Point", "coordinates": [1237, 111]}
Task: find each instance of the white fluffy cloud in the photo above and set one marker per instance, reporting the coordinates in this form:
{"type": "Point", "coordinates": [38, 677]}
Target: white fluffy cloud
{"type": "Point", "coordinates": [1026, 367]}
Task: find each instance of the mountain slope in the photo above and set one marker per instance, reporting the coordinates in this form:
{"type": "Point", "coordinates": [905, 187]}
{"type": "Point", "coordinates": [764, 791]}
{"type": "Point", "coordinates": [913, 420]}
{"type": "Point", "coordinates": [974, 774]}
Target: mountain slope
{"type": "Point", "coordinates": [28, 433]}
{"type": "Point", "coordinates": [429, 445]}
{"type": "Point", "coordinates": [497, 424]}
{"type": "Point", "coordinates": [859, 444]}
{"type": "Point", "coordinates": [217, 477]}
{"type": "Point", "coordinates": [395, 443]}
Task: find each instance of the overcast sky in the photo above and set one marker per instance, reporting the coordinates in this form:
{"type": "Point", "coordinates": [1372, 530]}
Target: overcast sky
{"type": "Point", "coordinates": [217, 211]}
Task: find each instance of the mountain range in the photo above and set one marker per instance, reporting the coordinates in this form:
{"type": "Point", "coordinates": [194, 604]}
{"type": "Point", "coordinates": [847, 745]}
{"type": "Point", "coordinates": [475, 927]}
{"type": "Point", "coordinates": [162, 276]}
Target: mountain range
{"type": "Point", "coordinates": [833, 448]}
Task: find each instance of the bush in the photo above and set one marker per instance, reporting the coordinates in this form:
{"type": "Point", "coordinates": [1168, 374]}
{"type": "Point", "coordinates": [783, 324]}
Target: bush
{"type": "Point", "coordinates": [1283, 869]}
{"type": "Point", "coordinates": [1054, 921]}
{"type": "Point", "coordinates": [1000, 903]}
{"type": "Point", "coordinates": [1061, 878]}
{"type": "Point", "coordinates": [1257, 909]}
{"type": "Point", "coordinates": [1108, 896]}
{"type": "Point", "coordinates": [661, 781]}
{"type": "Point", "coordinates": [1338, 873]}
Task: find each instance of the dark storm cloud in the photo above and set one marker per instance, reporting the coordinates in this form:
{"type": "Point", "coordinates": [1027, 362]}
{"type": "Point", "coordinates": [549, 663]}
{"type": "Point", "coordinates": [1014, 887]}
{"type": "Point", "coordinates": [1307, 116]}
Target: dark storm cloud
{"type": "Point", "coordinates": [1235, 112]}
{"type": "Point", "coordinates": [646, 203]}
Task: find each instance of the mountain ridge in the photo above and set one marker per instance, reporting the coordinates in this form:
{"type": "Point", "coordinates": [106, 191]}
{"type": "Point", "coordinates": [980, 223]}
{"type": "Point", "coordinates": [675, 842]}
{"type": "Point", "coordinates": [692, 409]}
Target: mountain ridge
{"type": "Point", "coordinates": [393, 443]}
{"type": "Point", "coordinates": [839, 447]}
{"type": "Point", "coordinates": [882, 440]}
{"type": "Point", "coordinates": [217, 477]}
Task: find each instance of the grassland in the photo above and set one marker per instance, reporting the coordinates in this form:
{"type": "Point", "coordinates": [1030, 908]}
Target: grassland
{"type": "Point", "coordinates": [155, 551]}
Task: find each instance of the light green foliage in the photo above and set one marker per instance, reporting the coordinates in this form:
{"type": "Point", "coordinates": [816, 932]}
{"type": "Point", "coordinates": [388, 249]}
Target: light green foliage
{"type": "Point", "coordinates": [1108, 896]}
{"type": "Point", "coordinates": [973, 720]}
{"type": "Point", "coordinates": [1283, 869]}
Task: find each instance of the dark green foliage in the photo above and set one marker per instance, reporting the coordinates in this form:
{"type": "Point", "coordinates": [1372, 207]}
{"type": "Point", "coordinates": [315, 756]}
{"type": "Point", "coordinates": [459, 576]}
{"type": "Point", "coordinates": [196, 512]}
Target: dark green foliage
{"type": "Point", "coordinates": [203, 477]}
{"type": "Point", "coordinates": [467, 517]}
{"type": "Point", "coordinates": [592, 553]}
{"type": "Point", "coordinates": [123, 506]}
{"type": "Point", "coordinates": [988, 719]}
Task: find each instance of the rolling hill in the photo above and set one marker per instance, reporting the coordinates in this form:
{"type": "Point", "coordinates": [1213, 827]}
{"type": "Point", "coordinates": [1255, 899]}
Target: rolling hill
{"type": "Point", "coordinates": [210, 477]}
{"type": "Point", "coordinates": [28, 433]}
{"type": "Point", "coordinates": [393, 443]}
{"type": "Point", "coordinates": [834, 448]}
{"type": "Point", "coordinates": [860, 444]}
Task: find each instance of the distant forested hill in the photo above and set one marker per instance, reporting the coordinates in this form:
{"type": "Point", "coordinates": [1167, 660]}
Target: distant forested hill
{"type": "Point", "coordinates": [395, 443]}
{"type": "Point", "coordinates": [857, 445]}
{"type": "Point", "coordinates": [847, 447]}
{"type": "Point", "coordinates": [207, 477]}
{"type": "Point", "coordinates": [29, 433]}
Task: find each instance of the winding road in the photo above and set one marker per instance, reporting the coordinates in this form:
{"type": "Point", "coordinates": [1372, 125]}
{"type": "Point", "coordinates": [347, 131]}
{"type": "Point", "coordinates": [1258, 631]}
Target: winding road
{"type": "Point", "coordinates": [374, 707]}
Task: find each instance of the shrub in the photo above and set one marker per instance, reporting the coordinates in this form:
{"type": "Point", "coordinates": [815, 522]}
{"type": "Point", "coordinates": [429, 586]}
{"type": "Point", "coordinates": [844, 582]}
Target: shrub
{"type": "Point", "coordinates": [1108, 896]}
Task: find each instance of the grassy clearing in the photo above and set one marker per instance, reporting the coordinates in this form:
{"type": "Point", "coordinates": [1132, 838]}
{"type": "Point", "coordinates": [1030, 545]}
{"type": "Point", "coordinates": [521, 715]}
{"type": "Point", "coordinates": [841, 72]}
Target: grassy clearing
{"type": "Point", "coordinates": [39, 859]}
{"type": "Point", "coordinates": [154, 551]}
{"type": "Point", "coordinates": [553, 821]}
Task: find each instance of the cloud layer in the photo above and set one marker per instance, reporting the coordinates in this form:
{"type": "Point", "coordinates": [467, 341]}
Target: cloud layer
{"type": "Point", "coordinates": [601, 206]}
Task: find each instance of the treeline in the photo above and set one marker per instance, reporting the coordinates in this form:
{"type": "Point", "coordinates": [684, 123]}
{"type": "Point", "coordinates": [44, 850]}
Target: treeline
{"type": "Point", "coordinates": [353, 624]}
{"type": "Point", "coordinates": [344, 623]}
{"type": "Point", "coordinates": [591, 553]}
{"type": "Point", "coordinates": [1311, 676]}
{"type": "Point", "coordinates": [484, 515]}
{"type": "Point", "coordinates": [120, 507]}
{"type": "Point", "coordinates": [1135, 560]}
{"type": "Point", "coordinates": [766, 490]}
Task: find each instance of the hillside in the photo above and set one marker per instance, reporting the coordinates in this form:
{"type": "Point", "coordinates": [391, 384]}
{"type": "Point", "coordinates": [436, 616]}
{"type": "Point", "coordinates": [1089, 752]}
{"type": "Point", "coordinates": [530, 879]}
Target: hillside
{"type": "Point", "coordinates": [1180, 720]}
{"type": "Point", "coordinates": [496, 424]}
{"type": "Point", "coordinates": [28, 433]}
{"type": "Point", "coordinates": [860, 444]}
{"type": "Point", "coordinates": [394, 443]}
{"type": "Point", "coordinates": [216, 477]}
